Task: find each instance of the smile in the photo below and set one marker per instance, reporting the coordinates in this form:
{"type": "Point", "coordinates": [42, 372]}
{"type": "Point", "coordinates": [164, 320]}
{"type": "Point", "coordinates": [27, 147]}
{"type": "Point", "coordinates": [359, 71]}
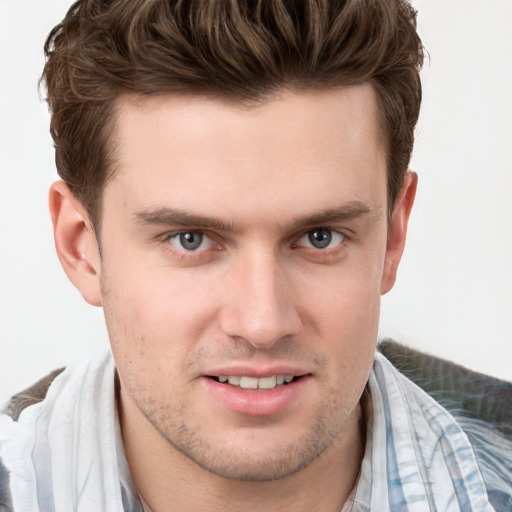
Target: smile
{"type": "Point", "coordinates": [246, 382]}
{"type": "Point", "coordinates": [258, 395]}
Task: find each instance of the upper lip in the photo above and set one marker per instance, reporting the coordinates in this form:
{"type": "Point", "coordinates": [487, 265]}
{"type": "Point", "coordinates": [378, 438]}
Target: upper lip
{"type": "Point", "coordinates": [257, 372]}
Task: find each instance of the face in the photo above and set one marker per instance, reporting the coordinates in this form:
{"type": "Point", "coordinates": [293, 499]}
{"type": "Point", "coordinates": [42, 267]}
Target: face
{"type": "Point", "coordinates": [243, 248]}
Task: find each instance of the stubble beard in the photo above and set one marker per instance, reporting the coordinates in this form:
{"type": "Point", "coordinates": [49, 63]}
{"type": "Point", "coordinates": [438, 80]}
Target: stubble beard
{"type": "Point", "coordinates": [235, 462]}
{"type": "Point", "coordinates": [240, 463]}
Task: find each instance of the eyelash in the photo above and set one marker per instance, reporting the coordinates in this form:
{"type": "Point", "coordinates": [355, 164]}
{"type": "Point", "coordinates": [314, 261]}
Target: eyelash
{"type": "Point", "coordinates": [215, 241]}
{"type": "Point", "coordinates": [183, 253]}
{"type": "Point", "coordinates": [333, 232]}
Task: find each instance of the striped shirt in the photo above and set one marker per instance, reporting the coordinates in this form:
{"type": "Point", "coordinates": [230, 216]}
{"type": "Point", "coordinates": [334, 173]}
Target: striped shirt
{"type": "Point", "coordinates": [66, 452]}
{"type": "Point", "coordinates": [417, 457]}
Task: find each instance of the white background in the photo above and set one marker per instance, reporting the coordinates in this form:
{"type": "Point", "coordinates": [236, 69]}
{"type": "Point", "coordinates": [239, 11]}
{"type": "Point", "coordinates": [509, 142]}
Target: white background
{"type": "Point", "coordinates": [454, 293]}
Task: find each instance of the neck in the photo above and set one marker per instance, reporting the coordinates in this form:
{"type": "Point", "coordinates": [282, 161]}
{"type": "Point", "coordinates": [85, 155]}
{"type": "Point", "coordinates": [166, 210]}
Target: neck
{"type": "Point", "coordinates": [163, 475]}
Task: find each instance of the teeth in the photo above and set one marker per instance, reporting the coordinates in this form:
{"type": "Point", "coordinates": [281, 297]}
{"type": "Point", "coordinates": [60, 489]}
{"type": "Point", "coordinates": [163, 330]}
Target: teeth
{"type": "Point", "coordinates": [249, 382]}
{"type": "Point", "coordinates": [267, 382]}
{"type": "Point", "coordinates": [255, 383]}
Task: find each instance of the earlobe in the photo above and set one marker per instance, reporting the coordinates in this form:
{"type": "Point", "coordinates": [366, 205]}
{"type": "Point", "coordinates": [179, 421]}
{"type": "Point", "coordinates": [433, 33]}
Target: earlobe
{"type": "Point", "coordinates": [397, 231]}
{"type": "Point", "coordinates": [75, 242]}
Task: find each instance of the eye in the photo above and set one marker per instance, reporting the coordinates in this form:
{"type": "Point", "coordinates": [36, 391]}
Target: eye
{"type": "Point", "coordinates": [191, 241]}
{"type": "Point", "coordinates": [321, 238]}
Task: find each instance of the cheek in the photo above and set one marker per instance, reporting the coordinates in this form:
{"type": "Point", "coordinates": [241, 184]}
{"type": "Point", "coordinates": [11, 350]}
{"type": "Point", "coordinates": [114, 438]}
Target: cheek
{"type": "Point", "coordinates": [154, 303]}
{"type": "Point", "coordinates": [145, 339]}
{"type": "Point", "coordinates": [347, 297]}
{"type": "Point", "coordinates": [346, 316]}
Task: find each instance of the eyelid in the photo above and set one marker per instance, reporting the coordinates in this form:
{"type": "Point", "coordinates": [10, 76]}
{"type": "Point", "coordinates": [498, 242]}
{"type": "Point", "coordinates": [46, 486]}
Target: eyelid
{"type": "Point", "coordinates": [169, 235]}
{"type": "Point", "coordinates": [204, 241]}
{"type": "Point", "coordinates": [219, 244]}
{"type": "Point", "coordinates": [337, 231]}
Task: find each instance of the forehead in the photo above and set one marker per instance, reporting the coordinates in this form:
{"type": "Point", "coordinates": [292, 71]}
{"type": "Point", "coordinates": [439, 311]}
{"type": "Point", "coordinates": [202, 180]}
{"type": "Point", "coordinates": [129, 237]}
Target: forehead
{"type": "Point", "coordinates": [293, 152]}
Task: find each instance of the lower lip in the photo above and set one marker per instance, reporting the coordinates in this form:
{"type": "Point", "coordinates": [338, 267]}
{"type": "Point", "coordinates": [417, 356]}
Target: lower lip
{"type": "Point", "coordinates": [257, 402]}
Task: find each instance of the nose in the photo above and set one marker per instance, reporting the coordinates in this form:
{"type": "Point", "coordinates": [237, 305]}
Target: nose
{"type": "Point", "coordinates": [260, 305]}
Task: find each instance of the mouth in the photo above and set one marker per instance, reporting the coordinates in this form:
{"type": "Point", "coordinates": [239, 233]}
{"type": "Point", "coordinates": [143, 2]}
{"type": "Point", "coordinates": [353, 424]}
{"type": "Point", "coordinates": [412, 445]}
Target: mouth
{"type": "Point", "coordinates": [263, 383]}
{"type": "Point", "coordinates": [258, 395]}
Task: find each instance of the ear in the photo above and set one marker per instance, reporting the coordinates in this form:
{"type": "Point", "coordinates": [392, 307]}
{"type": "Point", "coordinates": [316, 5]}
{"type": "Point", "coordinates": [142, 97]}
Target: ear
{"type": "Point", "coordinates": [397, 231]}
{"type": "Point", "coordinates": [76, 243]}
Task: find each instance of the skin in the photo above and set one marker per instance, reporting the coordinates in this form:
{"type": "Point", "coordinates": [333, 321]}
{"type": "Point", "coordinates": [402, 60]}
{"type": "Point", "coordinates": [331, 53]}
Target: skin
{"type": "Point", "coordinates": [255, 182]}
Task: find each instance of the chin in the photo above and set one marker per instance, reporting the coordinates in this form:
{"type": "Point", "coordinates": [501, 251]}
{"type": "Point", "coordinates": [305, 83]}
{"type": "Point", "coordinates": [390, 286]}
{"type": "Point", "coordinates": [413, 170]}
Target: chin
{"type": "Point", "coordinates": [247, 467]}
{"type": "Point", "coordinates": [261, 456]}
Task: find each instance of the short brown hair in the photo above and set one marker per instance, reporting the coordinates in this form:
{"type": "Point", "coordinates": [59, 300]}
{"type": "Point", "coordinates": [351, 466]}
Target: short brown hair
{"type": "Point", "coordinates": [240, 50]}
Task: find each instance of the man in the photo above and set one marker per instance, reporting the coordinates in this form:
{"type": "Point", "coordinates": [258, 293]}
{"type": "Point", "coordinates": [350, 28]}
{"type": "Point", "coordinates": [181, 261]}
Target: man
{"type": "Point", "coordinates": [235, 196]}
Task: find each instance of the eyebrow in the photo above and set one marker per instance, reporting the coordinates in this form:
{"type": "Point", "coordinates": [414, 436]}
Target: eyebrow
{"type": "Point", "coordinates": [183, 219]}
{"type": "Point", "coordinates": [346, 212]}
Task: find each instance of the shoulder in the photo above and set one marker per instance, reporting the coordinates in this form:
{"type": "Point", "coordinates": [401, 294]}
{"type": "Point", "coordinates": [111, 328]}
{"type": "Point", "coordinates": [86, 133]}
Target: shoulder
{"type": "Point", "coordinates": [5, 493]}
{"type": "Point", "coordinates": [69, 411]}
{"type": "Point", "coordinates": [31, 395]}
{"type": "Point", "coordinates": [17, 403]}
{"type": "Point", "coordinates": [461, 391]}
{"type": "Point", "coordinates": [481, 406]}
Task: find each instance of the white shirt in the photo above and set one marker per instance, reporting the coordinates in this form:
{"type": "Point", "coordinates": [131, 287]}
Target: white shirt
{"type": "Point", "coordinates": [65, 453]}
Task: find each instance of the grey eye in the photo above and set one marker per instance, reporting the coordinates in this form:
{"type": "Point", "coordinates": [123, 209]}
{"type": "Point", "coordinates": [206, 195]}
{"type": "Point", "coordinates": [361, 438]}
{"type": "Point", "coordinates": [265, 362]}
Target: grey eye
{"type": "Point", "coordinates": [189, 241]}
{"type": "Point", "coordinates": [320, 238]}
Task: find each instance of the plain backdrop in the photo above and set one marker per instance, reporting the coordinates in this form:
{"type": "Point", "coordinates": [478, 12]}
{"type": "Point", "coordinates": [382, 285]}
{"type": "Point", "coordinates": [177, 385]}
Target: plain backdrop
{"type": "Point", "coordinates": [453, 297]}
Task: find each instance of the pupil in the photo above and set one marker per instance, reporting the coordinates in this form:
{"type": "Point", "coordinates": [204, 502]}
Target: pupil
{"type": "Point", "coordinates": [320, 238]}
{"type": "Point", "coordinates": [190, 241]}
